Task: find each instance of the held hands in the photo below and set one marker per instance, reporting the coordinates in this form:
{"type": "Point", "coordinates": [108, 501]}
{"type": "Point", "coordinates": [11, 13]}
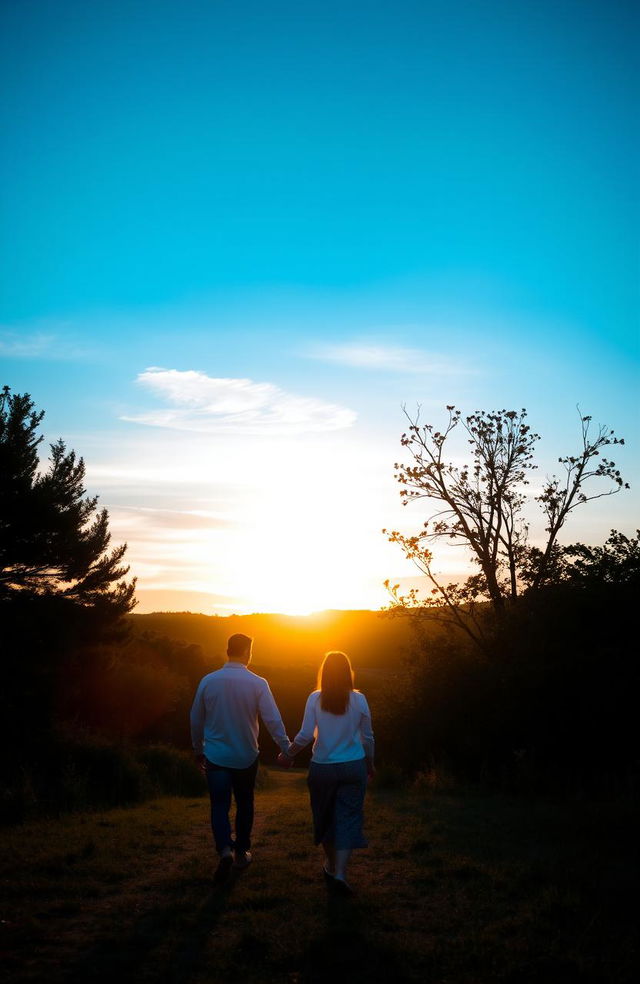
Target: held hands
{"type": "Point", "coordinates": [284, 761]}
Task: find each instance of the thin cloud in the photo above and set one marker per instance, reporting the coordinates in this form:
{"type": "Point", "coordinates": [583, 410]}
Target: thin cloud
{"type": "Point", "coordinates": [175, 519]}
{"type": "Point", "coordinates": [206, 404]}
{"type": "Point", "coordinates": [13, 346]}
{"type": "Point", "coordinates": [40, 345]}
{"type": "Point", "coordinates": [389, 358]}
{"type": "Point", "coordinates": [171, 599]}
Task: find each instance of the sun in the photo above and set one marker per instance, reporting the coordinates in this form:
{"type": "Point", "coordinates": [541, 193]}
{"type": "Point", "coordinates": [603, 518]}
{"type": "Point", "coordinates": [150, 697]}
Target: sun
{"type": "Point", "coordinates": [290, 588]}
{"type": "Point", "coordinates": [297, 566]}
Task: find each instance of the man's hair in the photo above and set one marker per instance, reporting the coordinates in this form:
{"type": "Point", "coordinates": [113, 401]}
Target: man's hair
{"type": "Point", "coordinates": [238, 645]}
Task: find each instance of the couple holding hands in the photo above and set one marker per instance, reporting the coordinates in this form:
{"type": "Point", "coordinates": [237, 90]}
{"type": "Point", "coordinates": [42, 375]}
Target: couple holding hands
{"type": "Point", "coordinates": [224, 730]}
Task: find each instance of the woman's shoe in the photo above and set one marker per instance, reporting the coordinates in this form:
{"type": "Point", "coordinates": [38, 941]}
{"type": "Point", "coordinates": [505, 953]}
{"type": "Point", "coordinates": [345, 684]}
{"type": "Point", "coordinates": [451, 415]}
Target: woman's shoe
{"type": "Point", "coordinates": [243, 860]}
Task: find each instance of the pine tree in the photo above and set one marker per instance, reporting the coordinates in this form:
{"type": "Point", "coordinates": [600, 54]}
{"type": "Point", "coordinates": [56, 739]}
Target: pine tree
{"type": "Point", "coordinates": [53, 538]}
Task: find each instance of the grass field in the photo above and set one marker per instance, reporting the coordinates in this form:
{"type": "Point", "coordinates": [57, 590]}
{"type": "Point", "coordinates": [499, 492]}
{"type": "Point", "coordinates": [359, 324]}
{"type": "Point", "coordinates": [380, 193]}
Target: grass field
{"type": "Point", "coordinates": [455, 887]}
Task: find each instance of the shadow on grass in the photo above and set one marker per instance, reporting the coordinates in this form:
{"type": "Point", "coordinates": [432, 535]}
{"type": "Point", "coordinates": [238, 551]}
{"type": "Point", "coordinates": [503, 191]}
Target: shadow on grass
{"type": "Point", "coordinates": [164, 944]}
{"type": "Point", "coordinates": [348, 950]}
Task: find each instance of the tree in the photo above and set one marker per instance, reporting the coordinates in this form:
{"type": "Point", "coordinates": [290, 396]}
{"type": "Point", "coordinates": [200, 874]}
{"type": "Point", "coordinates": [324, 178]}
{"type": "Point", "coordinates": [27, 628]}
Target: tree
{"type": "Point", "coordinates": [616, 562]}
{"type": "Point", "coordinates": [481, 506]}
{"type": "Point", "coordinates": [53, 539]}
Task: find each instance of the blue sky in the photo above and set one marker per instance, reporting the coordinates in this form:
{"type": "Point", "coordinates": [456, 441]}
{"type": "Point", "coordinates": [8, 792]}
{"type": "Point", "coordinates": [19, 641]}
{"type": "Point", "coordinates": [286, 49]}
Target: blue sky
{"type": "Point", "coordinates": [305, 215]}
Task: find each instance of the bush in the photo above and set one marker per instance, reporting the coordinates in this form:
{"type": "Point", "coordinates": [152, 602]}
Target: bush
{"type": "Point", "coordinates": [98, 774]}
{"type": "Point", "coordinates": [390, 777]}
{"type": "Point", "coordinates": [171, 772]}
{"type": "Point", "coordinates": [86, 772]}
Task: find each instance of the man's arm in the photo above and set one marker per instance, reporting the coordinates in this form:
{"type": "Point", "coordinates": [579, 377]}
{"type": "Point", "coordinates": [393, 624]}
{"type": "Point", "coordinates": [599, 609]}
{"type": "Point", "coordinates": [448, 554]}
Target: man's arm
{"type": "Point", "coordinates": [268, 710]}
{"type": "Point", "coordinates": [197, 724]}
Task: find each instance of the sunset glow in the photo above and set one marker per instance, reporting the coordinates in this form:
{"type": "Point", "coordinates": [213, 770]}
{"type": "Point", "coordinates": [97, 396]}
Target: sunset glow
{"type": "Point", "coordinates": [319, 490]}
{"type": "Point", "coordinates": [235, 255]}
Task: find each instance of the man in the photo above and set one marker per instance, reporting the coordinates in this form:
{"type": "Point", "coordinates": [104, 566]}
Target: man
{"type": "Point", "coordinates": [224, 732]}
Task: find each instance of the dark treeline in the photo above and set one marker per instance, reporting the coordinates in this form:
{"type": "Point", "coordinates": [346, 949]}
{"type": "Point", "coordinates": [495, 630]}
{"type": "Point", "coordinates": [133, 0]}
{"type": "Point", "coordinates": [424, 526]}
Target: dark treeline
{"type": "Point", "coordinates": [533, 682]}
{"type": "Point", "coordinates": [90, 715]}
{"type": "Point", "coordinates": [76, 686]}
{"type": "Point", "coordinates": [551, 707]}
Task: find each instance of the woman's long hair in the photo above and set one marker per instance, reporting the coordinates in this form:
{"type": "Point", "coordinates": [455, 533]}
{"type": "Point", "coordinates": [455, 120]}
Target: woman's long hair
{"type": "Point", "coordinates": [335, 682]}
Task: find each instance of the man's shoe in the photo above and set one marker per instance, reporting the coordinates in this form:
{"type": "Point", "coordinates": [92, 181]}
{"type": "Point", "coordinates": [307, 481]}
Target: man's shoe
{"type": "Point", "coordinates": [243, 860]}
{"type": "Point", "coordinates": [328, 877]}
{"type": "Point", "coordinates": [223, 870]}
{"type": "Point", "coordinates": [342, 888]}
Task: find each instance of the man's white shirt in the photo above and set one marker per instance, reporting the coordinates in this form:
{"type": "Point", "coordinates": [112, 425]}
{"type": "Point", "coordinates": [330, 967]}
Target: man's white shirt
{"type": "Point", "coordinates": [224, 716]}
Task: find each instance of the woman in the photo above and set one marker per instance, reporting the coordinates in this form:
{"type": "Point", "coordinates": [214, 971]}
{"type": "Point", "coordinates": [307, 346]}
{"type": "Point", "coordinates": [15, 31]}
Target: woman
{"type": "Point", "coordinates": [338, 717]}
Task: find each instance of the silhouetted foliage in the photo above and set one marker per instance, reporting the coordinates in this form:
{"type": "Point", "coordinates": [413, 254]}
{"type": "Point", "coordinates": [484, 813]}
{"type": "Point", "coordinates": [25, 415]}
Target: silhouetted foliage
{"type": "Point", "coordinates": [480, 505]}
{"type": "Point", "coordinates": [617, 561]}
{"type": "Point", "coordinates": [531, 684]}
{"type": "Point", "coordinates": [549, 704]}
{"type": "Point", "coordinates": [63, 594]}
{"type": "Point", "coordinates": [52, 538]}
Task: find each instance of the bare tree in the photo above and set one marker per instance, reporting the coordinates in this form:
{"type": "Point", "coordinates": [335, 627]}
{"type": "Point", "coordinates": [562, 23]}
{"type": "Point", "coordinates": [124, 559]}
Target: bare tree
{"type": "Point", "coordinates": [480, 505]}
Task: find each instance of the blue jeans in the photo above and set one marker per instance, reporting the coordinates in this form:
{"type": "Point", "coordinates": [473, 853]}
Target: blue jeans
{"type": "Point", "coordinates": [223, 781]}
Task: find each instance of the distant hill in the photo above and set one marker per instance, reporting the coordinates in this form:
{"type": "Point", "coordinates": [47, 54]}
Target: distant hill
{"type": "Point", "coordinates": [288, 650]}
{"type": "Point", "coordinates": [373, 640]}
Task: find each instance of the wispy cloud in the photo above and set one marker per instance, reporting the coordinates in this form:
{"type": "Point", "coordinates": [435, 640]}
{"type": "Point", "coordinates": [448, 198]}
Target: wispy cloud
{"type": "Point", "coordinates": [389, 358]}
{"type": "Point", "coordinates": [12, 345]}
{"type": "Point", "coordinates": [172, 599]}
{"type": "Point", "coordinates": [40, 345]}
{"type": "Point", "coordinates": [220, 405]}
{"type": "Point", "coordinates": [172, 519]}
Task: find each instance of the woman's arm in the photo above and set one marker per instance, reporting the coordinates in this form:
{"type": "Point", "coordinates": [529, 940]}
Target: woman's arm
{"type": "Point", "coordinates": [308, 727]}
{"type": "Point", "coordinates": [366, 735]}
